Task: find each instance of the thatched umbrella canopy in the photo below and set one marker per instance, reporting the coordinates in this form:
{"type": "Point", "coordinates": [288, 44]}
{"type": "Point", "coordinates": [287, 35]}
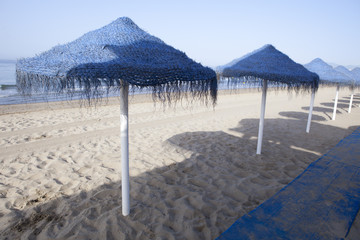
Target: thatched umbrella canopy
{"type": "Point", "coordinates": [329, 76]}
{"type": "Point", "coordinates": [113, 58]}
{"type": "Point", "coordinates": [269, 64]}
{"type": "Point", "coordinates": [107, 58]}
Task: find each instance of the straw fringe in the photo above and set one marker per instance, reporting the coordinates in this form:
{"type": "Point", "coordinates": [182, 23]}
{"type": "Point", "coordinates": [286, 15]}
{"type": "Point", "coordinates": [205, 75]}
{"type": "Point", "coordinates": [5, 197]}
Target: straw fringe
{"type": "Point", "coordinates": [94, 89]}
{"type": "Point", "coordinates": [256, 82]}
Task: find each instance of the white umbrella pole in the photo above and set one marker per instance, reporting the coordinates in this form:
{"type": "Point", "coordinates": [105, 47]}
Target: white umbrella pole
{"type": "Point", "coordinates": [262, 116]}
{"type": "Point", "coordinates": [310, 111]}
{"type": "Point", "coordinates": [336, 100]}
{"type": "Point", "coordinates": [351, 100]}
{"type": "Point", "coordinates": [124, 135]}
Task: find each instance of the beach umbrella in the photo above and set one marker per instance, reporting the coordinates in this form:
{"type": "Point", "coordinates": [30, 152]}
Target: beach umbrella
{"type": "Point", "coordinates": [353, 76]}
{"type": "Point", "coordinates": [113, 58]}
{"type": "Point", "coordinates": [329, 76]}
{"type": "Point", "coordinates": [356, 73]}
{"type": "Point", "coordinates": [269, 64]}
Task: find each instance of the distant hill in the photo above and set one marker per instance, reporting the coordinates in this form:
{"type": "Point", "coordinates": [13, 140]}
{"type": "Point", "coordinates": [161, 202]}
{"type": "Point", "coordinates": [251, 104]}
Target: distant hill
{"type": "Point", "coordinates": [7, 61]}
{"type": "Point", "coordinates": [356, 73]}
{"type": "Point", "coordinates": [345, 71]}
{"type": "Point", "coordinates": [326, 72]}
{"type": "Point", "coordinates": [350, 67]}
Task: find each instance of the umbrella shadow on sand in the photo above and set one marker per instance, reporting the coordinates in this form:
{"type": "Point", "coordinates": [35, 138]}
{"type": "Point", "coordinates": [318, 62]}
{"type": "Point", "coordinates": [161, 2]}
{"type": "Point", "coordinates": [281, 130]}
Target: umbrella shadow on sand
{"type": "Point", "coordinates": [348, 100]}
{"type": "Point", "coordinates": [355, 98]}
{"type": "Point", "coordinates": [285, 134]}
{"type": "Point", "coordinates": [329, 107]}
{"type": "Point", "coordinates": [343, 106]}
{"type": "Point", "coordinates": [301, 116]}
{"type": "Point", "coordinates": [326, 111]}
{"type": "Point", "coordinates": [220, 180]}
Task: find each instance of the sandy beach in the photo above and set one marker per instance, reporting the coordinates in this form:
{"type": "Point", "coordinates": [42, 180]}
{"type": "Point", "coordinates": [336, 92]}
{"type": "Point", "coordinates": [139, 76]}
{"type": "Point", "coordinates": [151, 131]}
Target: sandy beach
{"type": "Point", "coordinates": [193, 170]}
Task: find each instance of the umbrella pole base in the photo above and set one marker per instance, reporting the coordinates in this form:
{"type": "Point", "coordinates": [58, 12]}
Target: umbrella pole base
{"type": "Point", "coordinates": [310, 111]}
{"type": "Point", "coordinates": [262, 116]}
{"type": "Point", "coordinates": [350, 103]}
{"type": "Point", "coordinates": [335, 104]}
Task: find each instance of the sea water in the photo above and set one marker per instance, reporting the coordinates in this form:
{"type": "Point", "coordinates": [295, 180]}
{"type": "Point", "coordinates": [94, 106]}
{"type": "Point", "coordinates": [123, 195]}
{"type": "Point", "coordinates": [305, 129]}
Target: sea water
{"type": "Point", "coordinates": [8, 89]}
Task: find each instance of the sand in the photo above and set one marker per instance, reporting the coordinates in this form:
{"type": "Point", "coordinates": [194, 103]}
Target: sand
{"type": "Point", "coordinates": [193, 170]}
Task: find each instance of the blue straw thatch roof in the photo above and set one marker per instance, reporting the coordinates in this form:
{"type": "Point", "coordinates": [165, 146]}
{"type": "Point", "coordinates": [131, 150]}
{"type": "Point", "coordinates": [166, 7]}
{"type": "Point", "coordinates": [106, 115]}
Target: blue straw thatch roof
{"type": "Point", "coordinates": [95, 63]}
{"type": "Point", "coordinates": [327, 74]}
{"type": "Point", "coordinates": [270, 64]}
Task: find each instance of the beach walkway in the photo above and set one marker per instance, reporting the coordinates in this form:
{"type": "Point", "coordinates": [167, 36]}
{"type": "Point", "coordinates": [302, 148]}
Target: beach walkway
{"type": "Point", "coordinates": [321, 203]}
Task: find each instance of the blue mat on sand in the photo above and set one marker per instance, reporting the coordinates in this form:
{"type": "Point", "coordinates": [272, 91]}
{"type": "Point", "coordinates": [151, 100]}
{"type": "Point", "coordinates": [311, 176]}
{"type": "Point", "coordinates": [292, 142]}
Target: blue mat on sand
{"type": "Point", "coordinates": [321, 203]}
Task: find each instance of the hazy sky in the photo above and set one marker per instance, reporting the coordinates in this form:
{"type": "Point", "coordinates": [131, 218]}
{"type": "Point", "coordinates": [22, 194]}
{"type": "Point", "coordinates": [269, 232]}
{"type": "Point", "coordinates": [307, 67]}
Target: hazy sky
{"type": "Point", "coordinates": [210, 32]}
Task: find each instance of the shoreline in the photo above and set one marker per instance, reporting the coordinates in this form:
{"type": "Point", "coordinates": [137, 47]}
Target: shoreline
{"type": "Point", "coordinates": [14, 98]}
{"type": "Point", "coordinates": [110, 101]}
